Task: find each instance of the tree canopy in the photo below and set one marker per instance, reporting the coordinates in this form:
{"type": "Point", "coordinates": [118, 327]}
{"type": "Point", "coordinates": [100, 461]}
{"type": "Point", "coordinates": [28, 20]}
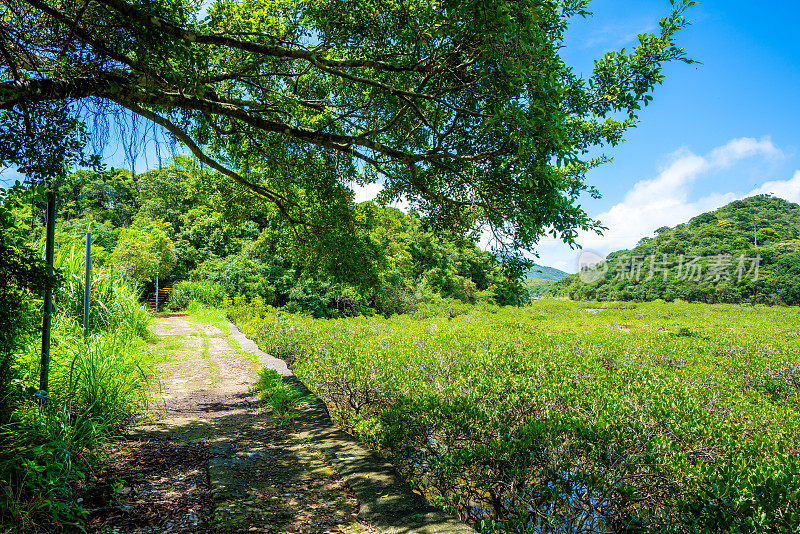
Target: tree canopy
{"type": "Point", "coordinates": [391, 262]}
{"type": "Point", "coordinates": [465, 108]}
{"type": "Point", "coordinates": [145, 251]}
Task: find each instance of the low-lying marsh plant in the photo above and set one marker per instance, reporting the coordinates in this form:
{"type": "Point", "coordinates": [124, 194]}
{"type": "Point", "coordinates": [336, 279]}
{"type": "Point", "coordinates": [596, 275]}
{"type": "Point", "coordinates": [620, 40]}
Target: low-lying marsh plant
{"type": "Point", "coordinates": [551, 419]}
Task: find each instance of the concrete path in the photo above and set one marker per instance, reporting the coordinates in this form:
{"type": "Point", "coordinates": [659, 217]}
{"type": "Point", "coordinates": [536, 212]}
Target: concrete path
{"type": "Point", "coordinates": [265, 477]}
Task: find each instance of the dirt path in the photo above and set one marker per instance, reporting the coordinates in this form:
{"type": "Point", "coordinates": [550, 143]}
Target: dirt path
{"type": "Point", "coordinates": [215, 460]}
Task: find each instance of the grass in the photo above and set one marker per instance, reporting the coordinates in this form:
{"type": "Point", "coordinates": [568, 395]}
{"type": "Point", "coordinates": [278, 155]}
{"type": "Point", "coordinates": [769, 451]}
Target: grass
{"type": "Point", "coordinates": [564, 416]}
{"type": "Point", "coordinates": [171, 345]}
{"type": "Point", "coordinates": [186, 294]}
{"type": "Point", "coordinates": [213, 371]}
{"type": "Point", "coordinates": [54, 441]}
{"type": "Point", "coordinates": [202, 314]}
{"type": "Point", "coordinates": [282, 398]}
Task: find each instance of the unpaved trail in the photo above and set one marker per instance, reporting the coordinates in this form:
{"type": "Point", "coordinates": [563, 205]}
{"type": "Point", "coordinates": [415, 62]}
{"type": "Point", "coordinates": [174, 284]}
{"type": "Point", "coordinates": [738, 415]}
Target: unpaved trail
{"type": "Point", "coordinates": [205, 377]}
{"type": "Point", "coordinates": [214, 460]}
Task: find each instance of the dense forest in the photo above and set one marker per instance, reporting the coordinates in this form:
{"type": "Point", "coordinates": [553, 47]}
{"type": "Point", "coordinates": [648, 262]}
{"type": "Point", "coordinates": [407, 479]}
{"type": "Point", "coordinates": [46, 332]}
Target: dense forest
{"type": "Point", "coordinates": [219, 241]}
{"type": "Point", "coordinates": [747, 251]}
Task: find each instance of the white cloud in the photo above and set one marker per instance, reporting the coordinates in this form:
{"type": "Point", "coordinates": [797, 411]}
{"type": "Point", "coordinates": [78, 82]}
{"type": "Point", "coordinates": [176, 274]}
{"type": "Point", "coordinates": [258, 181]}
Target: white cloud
{"type": "Point", "coordinates": [744, 147]}
{"type": "Point", "coordinates": [366, 192]}
{"type": "Point", "coordinates": [665, 200]}
{"type": "Point", "coordinates": [786, 189]}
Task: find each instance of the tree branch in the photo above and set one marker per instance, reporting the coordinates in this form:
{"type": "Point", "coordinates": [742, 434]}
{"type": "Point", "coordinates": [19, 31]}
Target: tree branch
{"type": "Point", "coordinates": [273, 197]}
{"type": "Point", "coordinates": [168, 28]}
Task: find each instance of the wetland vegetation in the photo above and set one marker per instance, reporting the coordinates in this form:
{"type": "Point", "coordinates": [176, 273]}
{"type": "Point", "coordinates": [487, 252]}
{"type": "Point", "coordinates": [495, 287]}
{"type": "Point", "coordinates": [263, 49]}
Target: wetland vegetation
{"type": "Point", "coordinates": [566, 416]}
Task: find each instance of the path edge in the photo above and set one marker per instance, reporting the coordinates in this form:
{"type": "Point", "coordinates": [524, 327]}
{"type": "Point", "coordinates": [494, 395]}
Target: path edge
{"type": "Point", "coordinates": [385, 499]}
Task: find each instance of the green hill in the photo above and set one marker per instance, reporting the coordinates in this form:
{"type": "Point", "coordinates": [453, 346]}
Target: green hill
{"type": "Point", "coordinates": [543, 272]}
{"type": "Point", "coordinates": [538, 279]}
{"type": "Point", "coordinates": [747, 251]}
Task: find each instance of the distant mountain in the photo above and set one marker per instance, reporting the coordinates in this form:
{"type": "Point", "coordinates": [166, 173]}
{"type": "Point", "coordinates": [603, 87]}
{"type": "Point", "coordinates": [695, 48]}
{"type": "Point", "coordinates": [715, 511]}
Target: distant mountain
{"type": "Point", "coordinates": [543, 272]}
{"type": "Point", "coordinates": [747, 251]}
{"type": "Point", "coordinates": [539, 278]}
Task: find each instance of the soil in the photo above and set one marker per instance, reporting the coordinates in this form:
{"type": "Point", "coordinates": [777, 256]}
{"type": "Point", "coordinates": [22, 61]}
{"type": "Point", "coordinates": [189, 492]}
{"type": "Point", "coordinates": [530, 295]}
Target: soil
{"type": "Point", "coordinates": [211, 458]}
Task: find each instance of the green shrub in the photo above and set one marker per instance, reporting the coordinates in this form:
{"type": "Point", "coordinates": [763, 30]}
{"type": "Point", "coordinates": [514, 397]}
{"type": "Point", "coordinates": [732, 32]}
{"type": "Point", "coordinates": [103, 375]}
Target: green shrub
{"type": "Point", "coordinates": [543, 418]}
{"type": "Point", "coordinates": [107, 380]}
{"type": "Point", "coordinates": [437, 306]}
{"type": "Point", "coordinates": [49, 449]}
{"type": "Point", "coordinates": [282, 398]}
{"type": "Point", "coordinates": [113, 303]}
{"type": "Point", "coordinates": [204, 292]}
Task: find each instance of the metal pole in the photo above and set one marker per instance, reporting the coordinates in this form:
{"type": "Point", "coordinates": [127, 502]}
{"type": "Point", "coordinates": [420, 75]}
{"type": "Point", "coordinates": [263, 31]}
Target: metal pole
{"type": "Point", "coordinates": [44, 368]}
{"type": "Point", "coordinates": [156, 293]}
{"type": "Point", "coordinates": [88, 284]}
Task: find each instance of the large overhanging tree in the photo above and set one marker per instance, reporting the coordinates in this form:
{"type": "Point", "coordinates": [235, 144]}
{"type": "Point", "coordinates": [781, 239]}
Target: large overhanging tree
{"type": "Point", "coordinates": [463, 107]}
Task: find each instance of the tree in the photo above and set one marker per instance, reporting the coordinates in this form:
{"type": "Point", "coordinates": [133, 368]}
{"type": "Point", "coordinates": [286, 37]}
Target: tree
{"type": "Point", "coordinates": [464, 107]}
{"type": "Point", "coordinates": [145, 251]}
{"type": "Point", "coordinates": [108, 196]}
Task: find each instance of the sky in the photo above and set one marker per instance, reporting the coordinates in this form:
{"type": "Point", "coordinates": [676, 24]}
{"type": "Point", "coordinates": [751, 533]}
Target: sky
{"type": "Point", "coordinates": [715, 132]}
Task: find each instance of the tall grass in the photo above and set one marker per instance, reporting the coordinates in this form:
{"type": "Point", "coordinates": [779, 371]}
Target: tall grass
{"type": "Point", "coordinates": [113, 304]}
{"type": "Point", "coordinates": [203, 292]}
{"type": "Point", "coordinates": [97, 384]}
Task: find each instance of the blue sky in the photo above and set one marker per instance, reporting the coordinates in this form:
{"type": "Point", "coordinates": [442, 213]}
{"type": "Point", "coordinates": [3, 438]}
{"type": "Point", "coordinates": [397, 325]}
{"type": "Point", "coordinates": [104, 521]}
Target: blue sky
{"type": "Point", "coordinates": [714, 132]}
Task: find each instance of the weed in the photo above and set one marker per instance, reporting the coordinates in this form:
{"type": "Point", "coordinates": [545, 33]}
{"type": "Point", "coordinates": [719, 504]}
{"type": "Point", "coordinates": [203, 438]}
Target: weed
{"type": "Point", "coordinates": [283, 398]}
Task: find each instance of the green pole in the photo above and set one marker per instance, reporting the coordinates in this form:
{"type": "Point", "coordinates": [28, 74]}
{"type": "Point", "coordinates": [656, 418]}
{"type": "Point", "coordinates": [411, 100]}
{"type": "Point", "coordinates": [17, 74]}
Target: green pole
{"type": "Point", "coordinates": [88, 285]}
{"type": "Point", "coordinates": [156, 293]}
{"type": "Point", "coordinates": [44, 368]}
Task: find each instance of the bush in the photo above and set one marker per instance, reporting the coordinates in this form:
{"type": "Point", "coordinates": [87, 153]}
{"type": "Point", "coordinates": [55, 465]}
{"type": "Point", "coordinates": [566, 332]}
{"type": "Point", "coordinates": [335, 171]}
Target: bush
{"type": "Point", "coordinates": [436, 306]}
{"type": "Point", "coordinates": [106, 379]}
{"type": "Point", "coordinates": [204, 292]}
{"type": "Point", "coordinates": [54, 439]}
{"type": "Point", "coordinates": [49, 449]}
{"type": "Point", "coordinates": [282, 398]}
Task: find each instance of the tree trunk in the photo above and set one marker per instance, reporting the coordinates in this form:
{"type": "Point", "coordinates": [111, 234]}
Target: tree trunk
{"type": "Point", "coordinates": [44, 369]}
